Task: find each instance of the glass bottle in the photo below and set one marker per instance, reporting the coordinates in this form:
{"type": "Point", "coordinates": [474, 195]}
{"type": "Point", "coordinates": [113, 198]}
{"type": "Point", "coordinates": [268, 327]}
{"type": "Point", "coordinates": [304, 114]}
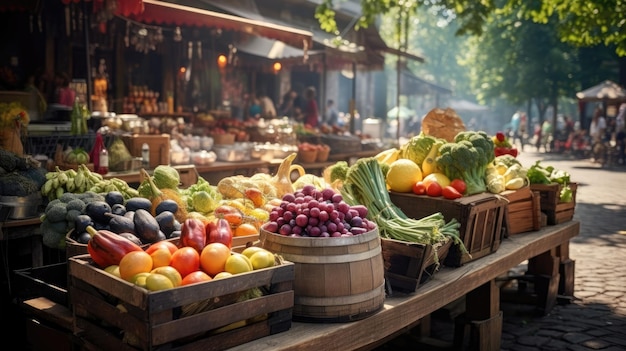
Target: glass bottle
{"type": "Point", "coordinates": [103, 167]}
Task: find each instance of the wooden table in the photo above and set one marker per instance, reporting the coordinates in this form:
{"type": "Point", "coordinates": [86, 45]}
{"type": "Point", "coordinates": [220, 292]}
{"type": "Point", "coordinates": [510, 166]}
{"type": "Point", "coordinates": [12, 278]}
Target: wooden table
{"type": "Point", "coordinates": [547, 251]}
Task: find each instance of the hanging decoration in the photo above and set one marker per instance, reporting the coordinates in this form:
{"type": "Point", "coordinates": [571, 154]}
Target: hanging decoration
{"type": "Point", "coordinates": [142, 37]}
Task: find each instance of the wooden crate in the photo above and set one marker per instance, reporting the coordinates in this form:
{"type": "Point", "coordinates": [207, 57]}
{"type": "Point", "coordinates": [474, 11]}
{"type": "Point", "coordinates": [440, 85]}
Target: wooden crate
{"type": "Point", "coordinates": [556, 212]}
{"type": "Point", "coordinates": [409, 265]}
{"type": "Point", "coordinates": [523, 212]}
{"type": "Point", "coordinates": [48, 281]}
{"type": "Point", "coordinates": [162, 319]}
{"type": "Point", "coordinates": [159, 147]}
{"type": "Point", "coordinates": [481, 217]}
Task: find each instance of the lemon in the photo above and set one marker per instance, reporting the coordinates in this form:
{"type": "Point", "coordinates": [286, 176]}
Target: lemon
{"type": "Point", "coordinates": [113, 269]}
{"type": "Point", "coordinates": [238, 263]}
{"type": "Point", "coordinates": [251, 250]}
{"type": "Point", "coordinates": [221, 275]}
{"type": "Point", "coordinates": [169, 272]}
{"type": "Point", "coordinates": [403, 174]}
{"type": "Point", "coordinates": [439, 178]}
{"type": "Point", "coordinates": [139, 279]}
{"type": "Point", "coordinates": [262, 259]}
{"type": "Point", "coordinates": [157, 281]}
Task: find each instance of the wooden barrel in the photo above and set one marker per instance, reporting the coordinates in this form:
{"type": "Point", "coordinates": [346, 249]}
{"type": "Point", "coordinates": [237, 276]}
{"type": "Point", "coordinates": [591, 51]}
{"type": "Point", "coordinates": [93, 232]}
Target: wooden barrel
{"type": "Point", "coordinates": [336, 279]}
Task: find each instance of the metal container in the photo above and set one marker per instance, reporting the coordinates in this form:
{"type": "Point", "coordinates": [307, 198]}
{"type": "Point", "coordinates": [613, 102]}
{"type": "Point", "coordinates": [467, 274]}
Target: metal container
{"type": "Point", "coordinates": [233, 153]}
{"type": "Point", "coordinates": [21, 207]}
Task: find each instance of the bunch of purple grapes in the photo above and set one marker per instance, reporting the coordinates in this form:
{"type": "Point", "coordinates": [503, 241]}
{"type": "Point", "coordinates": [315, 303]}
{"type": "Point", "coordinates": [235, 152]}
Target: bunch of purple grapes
{"type": "Point", "coordinates": [309, 212]}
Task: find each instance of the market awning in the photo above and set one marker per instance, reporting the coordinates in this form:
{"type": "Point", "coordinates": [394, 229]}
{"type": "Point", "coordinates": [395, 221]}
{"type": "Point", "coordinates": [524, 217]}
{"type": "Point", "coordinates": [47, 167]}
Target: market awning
{"type": "Point", "coordinates": [159, 12]}
{"type": "Point", "coordinates": [269, 48]}
{"type": "Point", "coordinates": [608, 91]}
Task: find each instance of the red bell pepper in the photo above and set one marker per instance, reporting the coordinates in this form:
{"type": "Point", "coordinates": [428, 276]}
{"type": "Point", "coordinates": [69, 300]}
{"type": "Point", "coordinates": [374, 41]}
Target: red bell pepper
{"type": "Point", "coordinates": [220, 232]}
{"type": "Point", "coordinates": [107, 248]}
{"type": "Point", "coordinates": [193, 234]}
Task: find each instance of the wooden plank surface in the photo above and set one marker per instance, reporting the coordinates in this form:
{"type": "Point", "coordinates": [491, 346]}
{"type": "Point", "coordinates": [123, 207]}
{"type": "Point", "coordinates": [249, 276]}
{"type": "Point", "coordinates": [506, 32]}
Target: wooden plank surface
{"type": "Point", "coordinates": [399, 311]}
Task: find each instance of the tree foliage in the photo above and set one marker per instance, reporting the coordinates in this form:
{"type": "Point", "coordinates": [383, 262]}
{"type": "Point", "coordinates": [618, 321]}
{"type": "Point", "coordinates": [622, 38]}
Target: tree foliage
{"type": "Point", "coordinates": [581, 23]}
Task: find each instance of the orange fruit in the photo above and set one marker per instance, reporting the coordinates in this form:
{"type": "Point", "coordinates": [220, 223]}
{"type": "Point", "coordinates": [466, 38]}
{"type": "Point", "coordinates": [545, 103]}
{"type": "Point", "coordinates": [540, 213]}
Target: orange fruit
{"type": "Point", "coordinates": [135, 262]}
{"type": "Point", "coordinates": [195, 277]}
{"type": "Point", "coordinates": [161, 257]}
{"type": "Point", "coordinates": [213, 258]}
{"type": "Point", "coordinates": [245, 229]}
{"type": "Point", "coordinates": [162, 244]}
{"type": "Point", "coordinates": [186, 260]}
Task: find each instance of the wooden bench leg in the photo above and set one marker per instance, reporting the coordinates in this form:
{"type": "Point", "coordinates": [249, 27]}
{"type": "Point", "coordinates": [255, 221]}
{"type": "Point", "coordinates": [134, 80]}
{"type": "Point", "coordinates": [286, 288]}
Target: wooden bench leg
{"type": "Point", "coordinates": [566, 271]}
{"type": "Point", "coordinates": [483, 317]}
{"type": "Point", "coordinates": [545, 269]}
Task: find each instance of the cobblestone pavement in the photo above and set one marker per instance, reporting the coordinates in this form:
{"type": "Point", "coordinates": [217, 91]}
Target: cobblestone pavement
{"type": "Point", "coordinates": [596, 318]}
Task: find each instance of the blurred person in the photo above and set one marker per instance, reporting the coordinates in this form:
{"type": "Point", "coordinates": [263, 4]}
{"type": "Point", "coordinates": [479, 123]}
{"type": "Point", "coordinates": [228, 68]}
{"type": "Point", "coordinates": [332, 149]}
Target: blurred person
{"type": "Point", "coordinates": [64, 95]}
{"type": "Point", "coordinates": [523, 129]}
{"type": "Point", "coordinates": [311, 111]}
{"type": "Point", "coordinates": [268, 110]}
{"type": "Point", "coordinates": [546, 135]}
{"type": "Point", "coordinates": [597, 128]}
{"type": "Point", "coordinates": [331, 117]}
{"type": "Point", "coordinates": [291, 106]}
{"type": "Point", "coordinates": [515, 123]}
{"type": "Point", "coordinates": [254, 108]}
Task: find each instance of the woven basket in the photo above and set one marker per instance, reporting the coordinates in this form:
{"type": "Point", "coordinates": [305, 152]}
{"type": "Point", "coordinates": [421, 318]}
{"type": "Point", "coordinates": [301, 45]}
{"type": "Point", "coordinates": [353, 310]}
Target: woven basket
{"type": "Point", "coordinates": [307, 156]}
{"type": "Point", "coordinates": [323, 153]}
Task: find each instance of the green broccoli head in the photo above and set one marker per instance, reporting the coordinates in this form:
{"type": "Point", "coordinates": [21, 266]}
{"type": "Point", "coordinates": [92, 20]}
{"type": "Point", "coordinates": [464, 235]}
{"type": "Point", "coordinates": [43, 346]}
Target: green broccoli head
{"type": "Point", "coordinates": [339, 171]}
{"type": "Point", "coordinates": [467, 158]}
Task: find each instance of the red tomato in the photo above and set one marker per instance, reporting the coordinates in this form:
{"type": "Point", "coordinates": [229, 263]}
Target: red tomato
{"type": "Point", "coordinates": [459, 185]}
{"type": "Point", "coordinates": [450, 193]}
{"type": "Point", "coordinates": [513, 152]}
{"type": "Point", "coordinates": [195, 277]}
{"type": "Point", "coordinates": [186, 260]}
{"type": "Point", "coordinates": [419, 188]}
{"type": "Point", "coordinates": [434, 189]}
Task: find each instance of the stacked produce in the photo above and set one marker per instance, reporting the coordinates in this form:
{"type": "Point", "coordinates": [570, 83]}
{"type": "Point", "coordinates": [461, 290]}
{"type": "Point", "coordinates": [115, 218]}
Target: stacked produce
{"type": "Point", "coordinates": [364, 184]}
{"type": "Point", "coordinates": [19, 176]}
{"type": "Point", "coordinates": [502, 145]}
{"type": "Point", "coordinates": [506, 173]}
{"type": "Point", "coordinates": [80, 181]}
{"type": "Point", "coordinates": [538, 173]}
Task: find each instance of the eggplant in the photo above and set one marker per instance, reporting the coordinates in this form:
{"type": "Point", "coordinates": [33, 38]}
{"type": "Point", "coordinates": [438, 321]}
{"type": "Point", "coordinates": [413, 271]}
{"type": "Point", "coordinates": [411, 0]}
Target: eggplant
{"type": "Point", "coordinates": [166, 222]}
{"type": "Point", "coordinates": [146, 226]}
{"type": "Point", "coordinates": [135, 203]}
{"type": "Point", "coordinates": [166, 205]}
{"type": "Point", "coordinates": [97, 210]}
{"type": "Point", "coordinates": [121, 224]}
{"type": "Point", "coordinates": [114, 198]}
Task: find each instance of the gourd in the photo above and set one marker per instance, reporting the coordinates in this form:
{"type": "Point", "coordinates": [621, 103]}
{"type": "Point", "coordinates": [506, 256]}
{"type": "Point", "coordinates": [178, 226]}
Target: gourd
{"type": "Point", "coordinates": [282, 179]}
{"type": "Point", "coordinates": [157, 195]}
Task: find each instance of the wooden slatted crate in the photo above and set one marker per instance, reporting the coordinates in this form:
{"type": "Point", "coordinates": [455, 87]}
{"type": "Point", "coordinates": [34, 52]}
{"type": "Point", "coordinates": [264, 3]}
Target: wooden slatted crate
{"type": "Point", "coordinates": [481, 217]}
{"type": "Point", "coordinates": [556, 211]}
{"type": "Point", "coordinates": [409, 265]}
{"type": "Point", "coordinates": [523, 212]}
{"type": "Point", "coordinates": [107, 308]}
